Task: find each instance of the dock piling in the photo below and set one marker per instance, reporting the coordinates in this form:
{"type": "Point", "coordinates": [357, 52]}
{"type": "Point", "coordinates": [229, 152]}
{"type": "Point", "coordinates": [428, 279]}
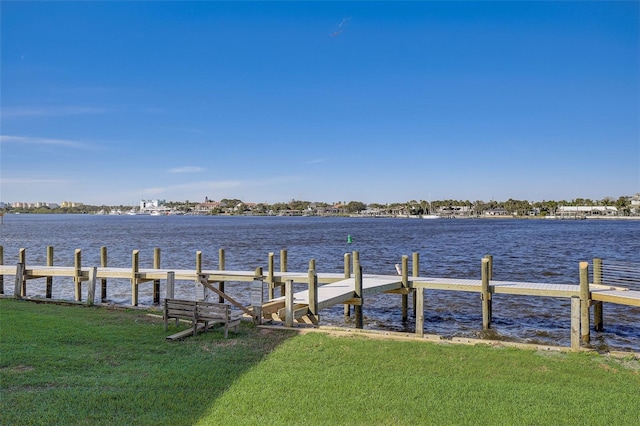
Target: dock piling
{"type": "Point", "coordinates": [584, 301]}
{"type": "Point", "coordinates": [486, 295]}
{"type": "Point", "coordinates": [1, 276]}
{"type": "Point", "coordinates": [598, 311]}
{"type": "Point", "coordinates": [575, 323]}
{"type": "Point", "coordinates": [357, 269]}
{"type": "Point", "coordinates": [135, 268]}
{"type": "Point", "coordinates": [270, 280]}
{"type": "Point", "coordinates": [22, 258]}
{"type": "Point", "coordinates": [103, 281]}
{"type": "Point", "coordinates": [257, 295]}
{"type": "Point", "coordinates": [156, 283]}
{"type": "Point", "coordinates": [221, 266]}
{"type": "Point", "coordinates": [288, 303]}
{"type": "Point", "coordinates": [405, 285]}
{"type": "Point", "coordinates": [17, 293]}
{"type": "Point", "coordinates": [77, 279]}
{"type": "Point", "coordinates": [313, 295]}
{"type": "Point", "coordinates": [49, 280]}
{"type": "Point", "coordinates": [347, 274]}
{"type": "Point", "coordinates": [91, 290]}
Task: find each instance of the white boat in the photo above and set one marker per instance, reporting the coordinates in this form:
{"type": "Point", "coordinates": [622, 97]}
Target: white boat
{"type": "Point", "coordinates": [430, 216]}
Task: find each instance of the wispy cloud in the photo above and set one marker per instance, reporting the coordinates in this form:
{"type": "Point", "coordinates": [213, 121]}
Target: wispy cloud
{"type": "Point", "coordinates": [32, 181]}
{"type": "Point", "coordinates": [186, 169]}
{"type": "Point", "coordinates": [48, 111]}
{"type": "Point", "coordinates": [43, 141]}
{"type": "Point", "coordinates": [316, 161]}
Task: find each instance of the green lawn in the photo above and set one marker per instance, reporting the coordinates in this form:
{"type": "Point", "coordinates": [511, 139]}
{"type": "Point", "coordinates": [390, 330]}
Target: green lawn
{"type": "Point", "coordinates": [79, 365]}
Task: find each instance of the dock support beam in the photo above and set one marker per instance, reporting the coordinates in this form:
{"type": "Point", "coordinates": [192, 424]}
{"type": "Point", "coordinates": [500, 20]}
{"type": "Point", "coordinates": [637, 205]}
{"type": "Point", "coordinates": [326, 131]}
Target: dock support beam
{"type": "Point", "coordinates": [584, 301]}
{"type": "Point", "coordinates": [598, 314]}
{"type": "Point", "coordinates": [49, 281]}
{"type": "Point", "coordinates": [486, 295]}
{"type": "Point", "coordinates": [490, 257]}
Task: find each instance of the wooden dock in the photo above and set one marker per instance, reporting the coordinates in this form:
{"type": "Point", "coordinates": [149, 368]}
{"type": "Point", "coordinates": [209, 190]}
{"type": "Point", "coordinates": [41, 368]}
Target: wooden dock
{"type": "Point", "coordinates": [324, 290]}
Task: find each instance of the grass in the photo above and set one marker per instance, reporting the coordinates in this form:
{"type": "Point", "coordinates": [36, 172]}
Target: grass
{"type": "Point", "coordinates": [79, 365]}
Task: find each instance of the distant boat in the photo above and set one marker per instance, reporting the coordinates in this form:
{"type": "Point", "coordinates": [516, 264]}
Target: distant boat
{"type": "Point", "coordinates": [430, 215]}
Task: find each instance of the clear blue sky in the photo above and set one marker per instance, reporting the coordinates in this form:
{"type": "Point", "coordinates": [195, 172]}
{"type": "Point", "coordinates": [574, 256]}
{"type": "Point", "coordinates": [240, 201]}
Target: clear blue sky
{"type": "Point", "coordinates": [111, 102]}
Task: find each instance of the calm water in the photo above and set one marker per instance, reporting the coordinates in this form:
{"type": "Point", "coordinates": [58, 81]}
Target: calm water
{"type": "Point", "coordinates": [523, 250]}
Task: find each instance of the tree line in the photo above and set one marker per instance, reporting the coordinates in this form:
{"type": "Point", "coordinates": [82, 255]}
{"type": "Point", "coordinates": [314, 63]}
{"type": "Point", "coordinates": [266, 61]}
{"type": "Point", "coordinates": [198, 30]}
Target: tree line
{"type": "Point", "coordinates": [416, 207]}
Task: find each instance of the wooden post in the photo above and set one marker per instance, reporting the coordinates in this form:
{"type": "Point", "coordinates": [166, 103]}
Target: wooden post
{"type": "Point", "coordinates": [584, 301]}
{"type": "Point", "coordinates": [405, 285]}
{"type": "Point", "coordinates": [283, 266]}
{"type": "Point", "coordinates": [283, 260]}
{"type": "Point", "coordinates": [156, 283]}
{"type": "Point", "coordinates": [415, 264]}
{"type": "Point", "coordinates": [103, 281]}
{"type": "Point", "coordinates": [419, 312]}
{"type": "Point", "coordinates": [347, 274]}
{"type": "Point", "coordinates": [288, 303]}
{"type": "Point", "coordinates": [257, 296]}
{"type": "Point", "coordinates": [221, 266]}
{"type": "Point", "coordinates": [312, 264]}
{"type": "Point", "coordinates": [486, 295]}
{"type": "Point", "coordinates": [22, 258]}
{"type": "Point", "coordinates": [205, 290]}
{"type": "Point", "coordinates": [575, 323]}
{"type": "Point", "coordinates": [598, 314]}
{"type": "Point", "coordinates": [358, 293]}
{"type": "Point", "coordinates": [490, 257]}
{"type": "Point", "coordinates": [77, 279]}
{"type": "Point", "coordinates": [91, 290]}
{"type": "Point", "coordinates": [171, 284]}
{"type": "Point", "coordinates": [270, 283]}
{"type": "Point", "coordinates": [49, 280]}
{"type": "Point", "coordinates": [313, 293]}
{"type": "Point", "coordinates": [1, 276]}
{"type": "Point", "coordinates": [17, 290]}
{"type": "Point", "coordinates": [135, 268]}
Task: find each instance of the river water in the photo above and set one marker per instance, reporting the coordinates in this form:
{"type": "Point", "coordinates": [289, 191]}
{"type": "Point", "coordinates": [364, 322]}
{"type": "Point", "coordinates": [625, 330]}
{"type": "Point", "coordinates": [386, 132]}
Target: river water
{"type": "Point", "coordinates": [523, 250]}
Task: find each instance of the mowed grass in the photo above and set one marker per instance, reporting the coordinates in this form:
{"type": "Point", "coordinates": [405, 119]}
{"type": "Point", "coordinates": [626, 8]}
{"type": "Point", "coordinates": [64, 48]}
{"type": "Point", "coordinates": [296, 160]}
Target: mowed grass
{"type": "Point", "coordinates": [79, 365]}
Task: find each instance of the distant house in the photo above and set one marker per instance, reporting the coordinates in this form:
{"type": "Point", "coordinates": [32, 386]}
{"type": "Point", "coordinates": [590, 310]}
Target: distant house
{"type": "Point", "coordinates": [496, 212]}
{"type": "Point", "coordinates": [207, 207]}
{"type": "Point", "coordinates": [586, 211]}
{"type": "Point", "coordinates": [635, 204]}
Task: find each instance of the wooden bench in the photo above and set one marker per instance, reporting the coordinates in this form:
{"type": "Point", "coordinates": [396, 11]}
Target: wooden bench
{"type": "Point", "coordinates": [201, 314]}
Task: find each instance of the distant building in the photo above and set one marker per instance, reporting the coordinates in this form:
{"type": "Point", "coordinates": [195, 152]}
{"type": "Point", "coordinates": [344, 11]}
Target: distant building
{"type": "Point", "coordinates": [586, 211]}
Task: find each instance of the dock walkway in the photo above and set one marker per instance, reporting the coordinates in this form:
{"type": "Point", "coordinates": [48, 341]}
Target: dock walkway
{"type": "Point", "coordinates": [325, 290]}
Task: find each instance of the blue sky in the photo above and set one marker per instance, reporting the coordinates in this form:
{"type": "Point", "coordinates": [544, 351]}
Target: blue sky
{"type": "Point", "coordinates": [111, 102]}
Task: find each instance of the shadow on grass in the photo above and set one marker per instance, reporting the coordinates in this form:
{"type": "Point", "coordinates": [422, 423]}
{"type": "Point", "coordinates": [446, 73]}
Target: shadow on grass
{"type": "Point", "coordinates": [79, 365]}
